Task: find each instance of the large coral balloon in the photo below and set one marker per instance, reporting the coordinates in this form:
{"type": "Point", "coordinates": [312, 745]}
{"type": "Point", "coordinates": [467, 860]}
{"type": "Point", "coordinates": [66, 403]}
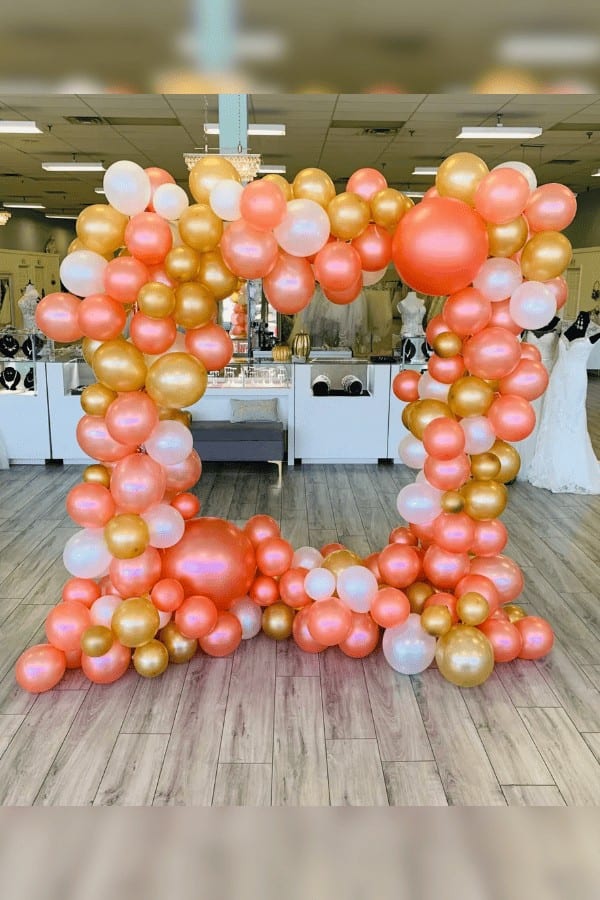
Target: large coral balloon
{"type": "Point", "coordinates": [214, 558]}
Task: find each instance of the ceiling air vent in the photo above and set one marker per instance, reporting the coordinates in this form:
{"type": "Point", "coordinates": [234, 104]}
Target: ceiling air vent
{"type": "Point", "coordinates": [562, 162]}
{"type": "Point", "coordinates": [85, 120]}
{"type": "Point", "coordinates": [380, 132]}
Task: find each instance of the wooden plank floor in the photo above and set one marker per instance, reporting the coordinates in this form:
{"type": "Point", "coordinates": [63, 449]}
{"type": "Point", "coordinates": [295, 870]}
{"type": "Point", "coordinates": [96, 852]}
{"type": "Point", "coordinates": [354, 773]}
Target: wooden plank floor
{"type": "Point", "coordinates": [273, 726]}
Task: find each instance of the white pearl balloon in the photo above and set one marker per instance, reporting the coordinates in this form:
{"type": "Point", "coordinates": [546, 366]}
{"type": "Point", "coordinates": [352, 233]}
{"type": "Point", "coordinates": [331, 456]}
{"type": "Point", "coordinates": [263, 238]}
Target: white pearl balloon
{"type": "Point", "coordinates": [419, 503]}
{"type": "Point", "coordinates": [305, 228]}
{"type": "Point", "coordinates": [225, 199]}
{"type": "Point", "coordinates": [412, 452]}
{"type": "Point", "coordinates": [369, 278]}
{"type": "Point", "coordinates": [86, 554]}
{"type": "Point", "coordinates": [82, 272]}
{"type": "Point", "coordinates": [170, 201]}
{"type": "Point", "coordinates": [169, 443]}
{"type": "Point", "coordinates": [249, 615]}
{"type": "Point", "coordinates": [319, 584]}
{"type": "Point", "coordinates": [165, 524]}
{"type": "Point", "coordinates": [102, 609]}
{"type": "Point", "coordinates": [479, 434]}
{"type": "Point", "coordinates": [127, 187]}
{"type": "Point", "coordinates": [532, 305]}
{"type": "Point", "coordinates": [431, 389]}
{"type": "Point", "coordinates": [357, 588]}
{"type": "Point", "coordinates": [306, 558]}
{"type": "Point", "coordinates": [407, 647]}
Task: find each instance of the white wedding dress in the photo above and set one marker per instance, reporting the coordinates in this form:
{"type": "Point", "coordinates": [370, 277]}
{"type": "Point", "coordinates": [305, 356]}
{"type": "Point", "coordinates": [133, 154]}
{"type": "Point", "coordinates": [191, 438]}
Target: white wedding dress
{"type": "Point", "coordinates": [546, 344]}
{"type": "Point", "coordinates": [564, 460]}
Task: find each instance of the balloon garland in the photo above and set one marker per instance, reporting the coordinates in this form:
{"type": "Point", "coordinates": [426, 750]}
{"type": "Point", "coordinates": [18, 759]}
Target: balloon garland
{"type": "Point", "coordinates": [150, 580]}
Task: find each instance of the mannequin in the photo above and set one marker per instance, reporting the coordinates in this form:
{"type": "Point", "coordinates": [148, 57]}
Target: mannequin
{"type": "Point", "coordinates": [412, 309]}
{"type": "Point", "coordinates": [581, 327]}
{"type": "Point", "coordinates": [28, 305]}
{"type": "Point", "coordinates": [551, 326]}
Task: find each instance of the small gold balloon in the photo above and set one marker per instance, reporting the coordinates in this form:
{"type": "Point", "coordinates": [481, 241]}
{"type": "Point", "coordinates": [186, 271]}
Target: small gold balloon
{"type": "Point", "coordinates": [470, 396]}
{"type": "Point", "coordinates": [447, 344]}
{"type": "Point", "coordinates": [485, 466]}
{"type": "Point", "coordinates": [200, 228]}
{"type": "Point", "coordinates": [195, 306]}
{"type": "Point", "coordinates": [135, 622]}
{"type": "Point", "coordinates": [510, 460]}
{"type": "Point", "coordinates": [75, 245]}
{"type": "Point", "coordinates": [408, 203]}
{"type": "Point", "coordinates": [436, 620]}
{"type": "Point", "coordinates": [314, 184]}
{"type": "Point", "coordinates": [97, 474]}
{"type": "Point", "coordinates": [407, 413]}
{"type": "Point", "coordinates": [207, 172]}
{"type": "Point", "coordinates": [151, 659]}
{"type": "Point", "coordinates": [348, 215]}
{"type": "Point", "coordinates": [545, 256]}
{"type": "Point", "coordinates": [213, 272]}
{"type": "Point", "coordinates": [96, 640]}
{"type": "Point", "coordinates": [465, 656]}
{"type": "Point", "coordinates": [514, 612]}
{"type": "Point", "coordinates": [101, 228]}
{"type": "Point", "coordinates": [459, 176]}
{"type": "Point", "coordinates": [277, 621]}
{"type": "Point", "coordinates": [181, 264]}
{"type": "Point", "coordinates": [96, 398]}
{"type": "Point", "coordinates": [176, 380]}
{"type": "Point", "coordinates": [472, 608]}
{"type": "Point", "coordinates": [179, 648]}
{"type": "Point", "coordinates": [339, 560]}
{"type": "Point", "coordinates": [281, 183]}
{"type": "Point", "coordinates": [88, 348]}
{"type": "Point", "coordinates": [417, 594]}
{"type": "Point", "coordinates": [126, 535]}
{"type": "Point", "coordinates": [452, 502]}
{"type": "Point", "coordinates": [424, 412]}
{"type": "Point", "coordinates": [504, 240]}
{"type": "Point", "coordinates": [120, 366]}
{"type": "Point", "coordinates": [176, 415]}
{"type": "Point", "coordinates": [387, 207]}
{"type": "Point", "coordinates": [484, 499]}
{"type": "Point", "coordinates": [156, 300]}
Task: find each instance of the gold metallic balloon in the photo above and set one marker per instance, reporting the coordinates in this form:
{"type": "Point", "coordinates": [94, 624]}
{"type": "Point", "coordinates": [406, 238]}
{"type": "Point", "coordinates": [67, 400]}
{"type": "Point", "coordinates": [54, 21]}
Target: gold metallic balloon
{"type": "Point", "coordinates": [465, 656]}
{"type": "Point", "coordinates": [484, 499]}
{"type": "Point", "coordinates": [545, 256]}
{"type": "Point", "coordinates": [277, 621]}
{"type": "Point", "coordinates": [408, 203]}
{"type": "Point", "coordinates": [348, 215]}
{"type": "Point", "coordinates": [96, 398]}
{"type": "Point", "coordinates": [135, 622]}
{"type": "Point", "coordinates": [176, 415]}
{"type": "Point", "coordinates": [97, 640]}
{"type": "Point", "coordinates": [417, 594]}
{"type": "Point", "coordinates": [314, 184]}
{"type": "Point", "coordinates": [126, 535]}
{"type": "Point", "coordinates": [97, 474]}
{"type": "Point", "coordinates": [424, 412]}
{"type": "Point", "coordinates": [88, 348]}
{"type": "Point", "coordinates": [452, 502]}
{"type": "Point", "coordinates": [339, 560]}
{"type": "Point", "coordinates": [447, 344]}
{"type": "Point", "coordinates": [504, 240]}
{"type": "Point", "coordinates": [151, 659]}
{"type": "Point", "coordinates": [282, 183]}
{"type": "Point", "coordinates": [195, 306]}
{"type": "Point", "coordinates": [459, 176]}
{"type": "Point", "coordinates": [510, 460]}
{"type": "Point", "coordinates": [200, 228]}
{"type": "Point", "coordinates": [101, 228]}
{"type": "Point", "coordinates": [470, 396]}
{"type": "Point", "coordinates": [179, 648]}
{"type": "Point", "coordinates": [387, 207]}
{"type": "Point", "coordinates": [181, 263]}
{"type": "Point", "coordinates": [213, 272]}
{"type": "Point", "coordinates": [485, 466]}
{"type": "Point", "coordinates": [472, 608]}
{"type": "Point", "coordinates": [207, 172]}
{"type": "Point", "coordinates": [176, 380]}
{"type": "Point", "coordinates": [156, 300]}
{"type": "Point", "coordinates": [75, 245]}
{"type": "Point", "coordinates": [119, 365]}
{"type": "Point", "coordinates": [514, 612]}
{"type": "Point", "coordinates": [407, 413]}
{"type": "Point", "coordinates": [436, 620]}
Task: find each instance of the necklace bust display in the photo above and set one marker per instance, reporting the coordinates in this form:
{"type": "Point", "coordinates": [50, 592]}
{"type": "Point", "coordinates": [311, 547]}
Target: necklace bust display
{"type": "Point", "coordinates": [28, 305]}
{"type": "Point", "coordinates": [9, 378]}
{"type": "Point", "coordinates": [9, 345]}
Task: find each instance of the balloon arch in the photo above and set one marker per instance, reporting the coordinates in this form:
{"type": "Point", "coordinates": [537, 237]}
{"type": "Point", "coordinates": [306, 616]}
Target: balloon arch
{"type": "Point", "coordinates": [154, 581]}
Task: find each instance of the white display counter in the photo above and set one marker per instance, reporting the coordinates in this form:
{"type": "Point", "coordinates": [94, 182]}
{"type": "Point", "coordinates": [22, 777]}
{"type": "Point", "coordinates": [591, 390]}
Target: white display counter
{"type": "Point", "coordinates": [24, 423]}
{"type": "Point", "coordinates": [64, 408]}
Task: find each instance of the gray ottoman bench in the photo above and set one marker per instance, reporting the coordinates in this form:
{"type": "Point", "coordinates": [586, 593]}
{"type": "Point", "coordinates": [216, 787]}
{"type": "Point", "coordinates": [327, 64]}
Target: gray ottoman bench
{"type": "Point", "coordinates": [240, 442]}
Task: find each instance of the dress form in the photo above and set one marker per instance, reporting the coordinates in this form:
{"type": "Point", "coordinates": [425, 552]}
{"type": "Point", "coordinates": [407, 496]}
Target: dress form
{"type": "Point", "coordinates": [28, 305]}
{"type": "Point", "coordinates": [413, 311]}
{"type": "Point", "coordinates": [584, 326]}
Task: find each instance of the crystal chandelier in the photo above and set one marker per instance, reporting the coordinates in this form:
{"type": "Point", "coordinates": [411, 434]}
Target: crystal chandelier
{"type": "Point", "coordinates": [4, 216]}
{"type": "Point", "coordinates": [247, 164]}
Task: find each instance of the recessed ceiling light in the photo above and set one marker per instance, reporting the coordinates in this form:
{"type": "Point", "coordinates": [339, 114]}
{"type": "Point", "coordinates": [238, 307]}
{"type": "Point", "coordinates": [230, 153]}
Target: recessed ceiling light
{"type": "Point", "coordinates": [596, 174]}
{"type": "Point", "coordinates": [425, 170]}
{"type": "Point", "coordinates": [272, 170]}
{"type": "Point", "coordinates": [19, 127]}
{"type": "Point", "coordinates": [99, 191]}
{"type": "Point", "coordinates": [500, 131]}
{"type": "Point", "coordinates": [24, 205]}
{"type": "Point", "coordinates": [256, 130]}
{"type": "Point", "coordinates": [73, 166]}
{"type": "Point", "coordinates": [61, 216]}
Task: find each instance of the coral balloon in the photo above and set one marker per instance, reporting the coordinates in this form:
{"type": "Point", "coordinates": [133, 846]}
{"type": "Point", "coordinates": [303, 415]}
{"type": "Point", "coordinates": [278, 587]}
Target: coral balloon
{"type": "Point", "coordinates": [492, 353]}
{"type": "Point", "coordinates": [329, 621]}
{"type": "Point", "coordinates": [261, 527]}
{"type": "Point", "coordinates": [302, 635]}
{"type": "Point", "coordinates": [196, 617]}
{"type": "Point", "coordinates": [264, 590]}
{"type": "Point", "coordinates": [225, 637]}
{"type": "Point", "coordinates": [363, 636]}
{"type": "Point", "coordinates": [40, 668]}
{"type": "Point", "coordinates": [447, 474]}
{"type": "Point", "coordinates": [537, 637]}
{"type": "Point", "coordinates": [440, 246]}
{"type": "Point", "coordinates": [152, 336]}
{"type": "Point", "coordinates": [348, 216]}
{"type": "Point", "coordinates": [503, 572]}
{"type": "Point", "coordinates": [545, 256]}
{"type": "Point", "coordinates": [489, 539]}
{"type": "Point", "coordinates": [512, 417]}
{"type": "Point", "coordinates": [291, 587]}
{"type": "Point", "coordinates": [407, 647]}
{"type": "Point", "coordinates": [502, 196]}
{"type": "Point", "coordinates": [188, 505]}
{"type": "Point", "coordinates": [148, 238]}
{"type": "Point", "coordinates": [402, 535]}
{"type": "Point", "coordinates": [560, 289]}
{"type": "Point", "coordinates": [480, 584]}
{"type": "Point", "coordinates": [466, 312]}
{"type": "Point", "coordinates": [290, 286]}
{"type": "Point", "coordinates": [390, 607]}
{"type": "Point", "coordinates": [528, 379]}
{"type": "Point", "coordinates": [263, 205]}
{"type": "Point", "coordinates": [107, 668]}
{"type": "Point", "coordinates": [374, 246]}
{"type": "Point", "coordinates": [65, 624]}
{"type": "Point", "coordinates": [505, 639]}
{"type": "Point", "coordinates": [94, 439]}
{"type": "Point", "coordinates": [337, 266]}
{"type": "Point", "coordinates": [348, 295]}
{"type": "Point", "coordinates": [167, 595]}
{"type": "Point", "coordinates": [501, 317]}
{"type": "Point", "coordinates": [399, 565]}
{"type": "Point", "coordinates": [90, 505]}
{"type": "Point", "coordinates": [283, 185]}
{"type": "Point", "coordinates": [57, 316]}
{"type": "Point", "coordinates": [84, 590]}
{"type": "Point", "coordinates": [366, 183]}
{"type": "Point", "coordinates": [274, 556]}
{"type": "Point", "coordinates": [211, 345]}
{"type": "Point", "coordinates": [304, 230]}
{"type": "Point", "coordinates": [248, 251]}
{"type": "Point", "coordinates": [454, 532]}
{"type": "Point", "coordinates": [436, 326]}
{"type": "Point", "coordinates": [100, 317]}
{"type": "Point", "coordinates": [443, 438]}
{"type": "Point", "coordinates": [552, 207]}
{"type": "Point", "coordinates": [131, 417]}
{"type": "Point", "coordinates": [444, 569]}
{"type": "Point", "coordinates": [136, 576]}
{"type": "Point", "coordinates": [137, 482]}
{"type": "Point", "coordinates": [405, 385]}
{"type": "Point", "coordinates": [459, 176]}
{"type": "Point", "coordinates": [124, 278]}
{"type": "Point", "coordinates": [465, 656]}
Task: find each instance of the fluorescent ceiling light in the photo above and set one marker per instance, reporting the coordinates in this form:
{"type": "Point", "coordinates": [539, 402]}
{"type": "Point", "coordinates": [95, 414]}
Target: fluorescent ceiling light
{"type": "Point", "coordinates": [22, 126]}
{"type": "Point", "coordinates": [549, 49]}
{"type": "Point", "coordinates": [256, 130]}
{"type": "Point", "coordinates": [414, 194]}
{"type": "Point", "coordinates": [505, 132]}
{"type": "Point", "coordinates": [272, 170]}
{"type": "Point", "coordinates": [60, 216]}
{"type": "Point", "coordinates": [24, 205]}
{"type": "Point", "coordinates": [73, 167]}
{"type": "Point", "coordinates": [99, 191]}
{"type": "Point", "coordinates": [596, 174]}
{"type": "Point", "coordinates": [425, 170]}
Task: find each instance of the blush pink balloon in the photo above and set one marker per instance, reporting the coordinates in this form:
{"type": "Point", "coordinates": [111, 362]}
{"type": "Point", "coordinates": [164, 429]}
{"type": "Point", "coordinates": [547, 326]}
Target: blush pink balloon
{"type": "Point", "coordinates": [57, 316]}
{"type": "Point", "coordinates": [467, 312]}
{"type": "Point", "coordinates": [497, 279]}
{"type": "Point", "coordinates": [131, 417]}
{"type": "Point", "coordinates": [124, 277]}
{"type": "Point", "coordinates": [290, 285]}
{"type": "Point", "coordinates": [501, 317]}
{"type": "Point", "coordinates": [95, 439]}
{"type": "Point", "coordinates": [447, 474]}
{"type": "Point", "coordinates": [503, 572]}
{"type": "Point", "coordinates": [102, 609]}
{"type": "Point", "coordinates": [492, 353]}
{"type": "Point", "coordinates": [108, 668]}
{"type": "Point", "coordinates": [157, 178]}
{"type": "Point", "coordinates": [366, 183]}
{"type": "Point", "coordinates": [90, 505]}
{"type": "Point", "coordinates": [454, 532]}
{"type": "Point", "coordinates": [552, 207]}
{"type": "Point", "coordinates": [479, 434]}
{"type": "Point", "coordinates": [559, 288]}
{"type": "Point", "coordinates": [184, 475]}
{"type": "Point", "coordinates": [374, 246]}
{"type": "Point", "coordinates": [263, 204]}
{"type": "Point", "coordinates": [137, 482]}
{"type": "Point", "coordinates": [444, 569]}
{"type": "Point", "coordinates": [148, 238]}
{"type": "Point", "coordinates": [489, 538]}
{"type": "Point", "coordinates": [446, 370]}
{"type": "Point", "coordinates": [512, 417]}
{"type": "Point", "coordinates": [337, 266]}
{"type": "Point", "coordinates": [443, 438]}
{"type": "Point", "coordinates": [101, 318]}
{"type": "Point", "coordinates": [528, 379]}
{"type": "Point", "coordinates": [502, 196]}
{"type": "Point", "coordinates": [153, 336]}
{"type": "Point", "coordinates": [247, 251]}
{"type": "Point", "coordinates": [211, 345]}
{"type": "Point", "coordinates": [133, 577]}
